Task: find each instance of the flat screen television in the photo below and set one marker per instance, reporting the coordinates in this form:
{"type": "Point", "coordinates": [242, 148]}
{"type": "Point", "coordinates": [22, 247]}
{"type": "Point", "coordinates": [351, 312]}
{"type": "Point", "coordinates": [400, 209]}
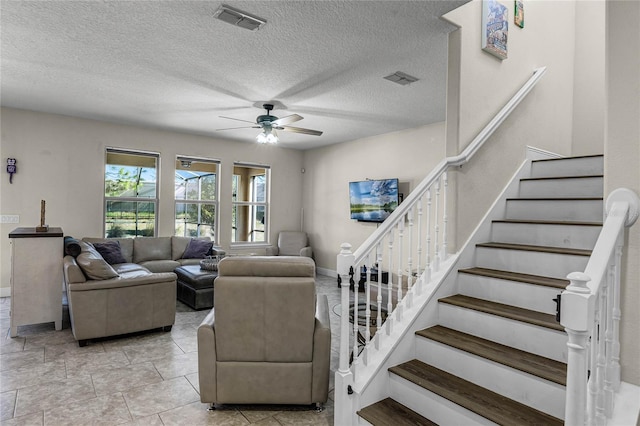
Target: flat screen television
{"type": "Point", "coordinates": [373, 200]}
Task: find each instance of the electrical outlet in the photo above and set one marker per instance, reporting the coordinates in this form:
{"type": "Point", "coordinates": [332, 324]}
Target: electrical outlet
{"type": "Point", "coordinates": [10, 218]}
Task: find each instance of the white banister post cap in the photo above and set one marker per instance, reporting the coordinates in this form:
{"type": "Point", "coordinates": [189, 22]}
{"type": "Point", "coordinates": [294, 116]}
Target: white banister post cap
{"type": "Point", "coordinates": [577, 303]}
{"type": "Point", "coordinates": [345, 259]}
{"type": "Point", "coordinates": [627, 195]}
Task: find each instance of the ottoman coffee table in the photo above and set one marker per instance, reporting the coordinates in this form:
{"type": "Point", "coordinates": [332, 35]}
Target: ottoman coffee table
{"type": "Point", "coordinates": [195, 286]}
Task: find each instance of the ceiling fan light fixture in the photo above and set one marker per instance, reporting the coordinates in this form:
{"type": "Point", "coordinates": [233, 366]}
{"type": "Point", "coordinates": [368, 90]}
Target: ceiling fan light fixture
{"type": "Point", "coordinates": [267, 136]}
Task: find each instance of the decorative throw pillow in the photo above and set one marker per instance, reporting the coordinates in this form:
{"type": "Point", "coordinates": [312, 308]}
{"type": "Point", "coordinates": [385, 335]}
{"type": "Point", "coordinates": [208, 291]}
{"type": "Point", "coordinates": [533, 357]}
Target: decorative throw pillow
{"type": "Point", "coordinates": [110, 251]}
{"type": "Point", "coordinates": [197, 249]}
{"type": "Point", "coordinates": [71, 247]}
{"type": "Point", "coordinates": [92, 263]}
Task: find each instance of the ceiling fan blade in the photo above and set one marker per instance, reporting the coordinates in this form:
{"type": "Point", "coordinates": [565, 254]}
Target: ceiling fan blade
{"type": "Point", "coordinates": [286, 120]}
{"type": "Point", "coordinates": [300, 130]}
{"type": "Point", "coordinates": [243, 127]}
{"type": "Point", "coordinates": [237, 119]}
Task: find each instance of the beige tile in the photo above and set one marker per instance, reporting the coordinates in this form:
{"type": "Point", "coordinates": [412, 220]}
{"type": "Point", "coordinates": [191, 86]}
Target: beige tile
{"type": "Point", "coordinates": [11, 344]}
{"type": "Point", "coordinates": [7, 404]}
{"type": "Point", "coordinates": [108, 381]}
{"type": "Point", "coordinates": [13, 360]}
{"type": "Point", "coordinates": [177, 365]}
{"type": "Point", "coordinates": [53, 394]}
{"type": "Point", "coordinates": [194, 380]}
{"type": "Point", "coordinates": [151, 351]}
{"type": "Point", "coordinates": [120, 343]}
{"type": "Point", "coordinates": [197, 414]}
{"type": "Point", "coordinates": [51, 337]}
{"type": "Point", "coordinates": [35, 419]}
{"type": "Point", "coordinates": [187, 344]}
{"type": "Point", "coordinates": [306, 418]}
{"type": "Point", "coordinates": [31, 375]}
{"type": "Point", "coordinates": [160, 397]}
{"type": "Point", "coordinates": [93, 362]}
{"type": "Point", "coordinates": [104, 410]}
{"type": "Point", "coordinates": [269, 421]}
{"type": "Point", "coordinates": [68, 350]}
{"type": "Point", "coordinates": [153, 420]}
{"type": "Point", "coordinates": [256, 415]}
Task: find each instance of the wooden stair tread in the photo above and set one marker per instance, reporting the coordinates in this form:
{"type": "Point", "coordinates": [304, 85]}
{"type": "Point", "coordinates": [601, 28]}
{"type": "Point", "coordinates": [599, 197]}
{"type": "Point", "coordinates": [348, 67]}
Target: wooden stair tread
{"type": "Point", "coordinates": [562, 177]}
{"type": "Point", "coordinates": [541, 249]}
{"type": "Point", "coordinates": [536, 365]}
{"type": "Point", "coordinates": [517, 276]}
{"type": "Point", "coordinates": [488, 404]}
{"type": "Point", "coordinates": [567, 158]}
{"type": "Point", "coordinates": [548, 222]}
{"type": "Point", "coordinates": [390, 412]}
{"type": "Point", "coordinates": [505, 311]}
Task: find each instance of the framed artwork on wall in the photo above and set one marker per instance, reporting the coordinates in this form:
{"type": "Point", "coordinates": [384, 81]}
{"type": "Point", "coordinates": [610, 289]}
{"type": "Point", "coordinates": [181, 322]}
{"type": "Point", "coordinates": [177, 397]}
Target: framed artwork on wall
{"type": "Point", "coordinates": [518, 16]}
{"type": "Point", "coordinates": [495, 28]}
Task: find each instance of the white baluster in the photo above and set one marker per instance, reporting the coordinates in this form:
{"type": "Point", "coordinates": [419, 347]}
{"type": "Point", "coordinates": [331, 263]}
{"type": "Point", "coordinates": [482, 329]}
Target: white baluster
{"type": "Point", "coordinates": [444, 215]}
{"type": "Point", "coordinates": [608, 379]}
{"type": "Point", "coordinates": [616, 315]}
{"type": "Point", "coordinates": [344, 376]}
{"type": "Point", "coordinates": [436, 230]}
{"type": "Point", "coordinates": [356, 273]}
{"type": "Point", "coordinates": [409, 264]}
{"type": "Point", "coordinates": [576, 299]}
{"type": "Point", "coordinates": [419, 250]}
{"type": "Point", "coordinates": [427, 268]}
{"type": "Point", "coordinates": [379, 300]}
{"type": "Point", "coordinates": [601, 363]}
{"type": "Point", "coordinates": [389, 323]}
{"type": "Point", "coordinates": [367, 315]}
{"type": "Point", "coordinates": [399, 274]}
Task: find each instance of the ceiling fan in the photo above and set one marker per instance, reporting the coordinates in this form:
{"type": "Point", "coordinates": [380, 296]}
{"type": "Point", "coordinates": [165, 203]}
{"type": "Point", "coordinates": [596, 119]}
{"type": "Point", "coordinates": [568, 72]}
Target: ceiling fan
{"type": "Point", "coordinates": [270, 123]}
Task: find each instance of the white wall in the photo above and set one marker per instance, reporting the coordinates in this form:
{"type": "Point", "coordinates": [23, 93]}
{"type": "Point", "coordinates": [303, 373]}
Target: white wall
{"type": "Point", "coordinates": [407, 155]}
{"type": "Point", "coordinates": [622, 160]}
{"type": "Point", "coordinates": [61, 160]}
{"type": "Point", "coordinates": [484, 83]}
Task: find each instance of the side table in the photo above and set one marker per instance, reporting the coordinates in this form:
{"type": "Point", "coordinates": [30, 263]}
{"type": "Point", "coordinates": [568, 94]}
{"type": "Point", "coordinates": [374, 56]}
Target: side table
{"type": "Point", "coordinates": [36, 277]}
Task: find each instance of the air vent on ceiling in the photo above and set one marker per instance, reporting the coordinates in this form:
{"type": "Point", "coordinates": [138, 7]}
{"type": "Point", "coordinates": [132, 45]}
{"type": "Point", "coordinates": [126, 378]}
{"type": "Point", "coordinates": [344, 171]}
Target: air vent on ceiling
{"type": "Point", "coordinates": [239, 18]}
{"type": "Point", "coordinates": [401, 78]}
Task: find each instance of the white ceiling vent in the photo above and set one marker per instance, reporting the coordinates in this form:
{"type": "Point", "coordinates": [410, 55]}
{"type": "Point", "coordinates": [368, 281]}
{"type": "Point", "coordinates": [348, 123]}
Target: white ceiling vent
{"type": "Point", "coordinates": [401, 78]}
{"type": "Point", "coordinates": [239, 18]}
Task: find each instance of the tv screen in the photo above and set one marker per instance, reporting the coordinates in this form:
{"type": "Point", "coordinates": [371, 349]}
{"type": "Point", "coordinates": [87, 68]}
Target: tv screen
{"type": "Point", "coordinates": [373, 200]}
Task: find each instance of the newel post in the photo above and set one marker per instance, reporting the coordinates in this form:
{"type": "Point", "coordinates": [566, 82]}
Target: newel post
{"type": "Point", "coordinates": [577, 310]}
{"type": "Point", "coordinates": [344, 376]}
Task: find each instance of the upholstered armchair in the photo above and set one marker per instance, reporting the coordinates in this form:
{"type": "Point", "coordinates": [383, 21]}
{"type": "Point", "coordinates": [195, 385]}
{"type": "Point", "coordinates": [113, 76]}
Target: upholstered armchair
{"type": "Point", "coordinates": [268, 340]}
{"type": "Point", "coordinates": [291, 243]}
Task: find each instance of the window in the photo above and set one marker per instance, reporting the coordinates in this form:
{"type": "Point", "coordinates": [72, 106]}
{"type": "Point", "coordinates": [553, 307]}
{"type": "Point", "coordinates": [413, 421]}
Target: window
{"type": "Point", "coordinates": [250, 199]}
{"type": "Point", "coordinates": [196, 196]}
{"type": "Point", "coordinates": [130, 193]}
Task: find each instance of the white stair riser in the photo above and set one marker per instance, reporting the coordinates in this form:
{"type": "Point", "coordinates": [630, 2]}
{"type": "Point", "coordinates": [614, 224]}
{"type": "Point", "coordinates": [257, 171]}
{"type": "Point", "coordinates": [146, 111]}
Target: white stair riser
{"type": "Point", "coordinates": [530, 262]}
{"type": "Point", "coordinates": [559, 188]}
{"type": "Point", "coordinates": [560, 210]}
{"type": "Point", "coordinates": [432, 406]}
{"type": "Point", "coordinates": [566, 236]}
{"type": "Point", "coordinates": [522, 295]}
{"type": "Point", "coordinates": [537, 340]}
{"type": "Point", "coordinates": [584, 166]}
{"type": "Point", "coordinates": [530, 390]}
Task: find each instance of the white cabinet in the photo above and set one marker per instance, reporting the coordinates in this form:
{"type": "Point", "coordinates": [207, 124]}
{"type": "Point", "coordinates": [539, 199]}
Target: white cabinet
{"type": "Point", "coordinates": [36, 277]}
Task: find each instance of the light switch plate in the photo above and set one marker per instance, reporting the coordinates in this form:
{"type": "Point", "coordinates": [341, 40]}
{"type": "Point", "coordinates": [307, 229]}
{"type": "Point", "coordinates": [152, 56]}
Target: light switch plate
{"type": "Point", "coordinates": [10, 218]}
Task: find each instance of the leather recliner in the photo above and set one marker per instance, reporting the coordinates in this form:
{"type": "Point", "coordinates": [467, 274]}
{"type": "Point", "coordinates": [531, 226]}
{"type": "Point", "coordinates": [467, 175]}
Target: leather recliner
{"type": "Point", "coordinates": [268, 339]}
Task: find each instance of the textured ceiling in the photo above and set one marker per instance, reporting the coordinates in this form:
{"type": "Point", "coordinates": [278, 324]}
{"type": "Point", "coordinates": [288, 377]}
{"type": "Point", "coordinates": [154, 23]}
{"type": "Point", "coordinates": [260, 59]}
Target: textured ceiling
{"type": "Point", "coordinates": [172, 65]}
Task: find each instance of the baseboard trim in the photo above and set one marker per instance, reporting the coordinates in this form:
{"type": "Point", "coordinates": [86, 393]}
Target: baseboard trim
{"type": "Point", "coordinates": [534, 153]}
{"type": "Point", "coordinates": [326, 272]}
{"type": "Point", "coordinates": [5, 291]}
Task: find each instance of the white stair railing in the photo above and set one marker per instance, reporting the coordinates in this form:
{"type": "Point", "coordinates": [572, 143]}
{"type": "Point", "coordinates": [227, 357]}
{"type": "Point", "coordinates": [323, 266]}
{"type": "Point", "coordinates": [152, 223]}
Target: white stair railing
{"type": "Point", "coordinates": [590, 313]}
{"type": "Point", "coordinates": [373, 263]}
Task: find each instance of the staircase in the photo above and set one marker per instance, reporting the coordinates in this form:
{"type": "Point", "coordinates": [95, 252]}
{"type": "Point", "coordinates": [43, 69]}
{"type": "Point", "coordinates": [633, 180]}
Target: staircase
{"type": "Point", "coordinates": [497, 354]}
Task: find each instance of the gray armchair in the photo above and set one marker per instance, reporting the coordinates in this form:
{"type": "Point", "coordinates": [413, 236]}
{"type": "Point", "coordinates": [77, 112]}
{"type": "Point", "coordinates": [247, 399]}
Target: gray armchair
{"type": "Point", "coordinates": [268, 340]}
{"type": "Point", "coordinates": [291, 243]}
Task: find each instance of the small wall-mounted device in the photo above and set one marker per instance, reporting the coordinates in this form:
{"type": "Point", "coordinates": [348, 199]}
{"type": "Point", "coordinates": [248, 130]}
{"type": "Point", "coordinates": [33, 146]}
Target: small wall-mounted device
{"type": "Point", "coordinates": [11, 168]}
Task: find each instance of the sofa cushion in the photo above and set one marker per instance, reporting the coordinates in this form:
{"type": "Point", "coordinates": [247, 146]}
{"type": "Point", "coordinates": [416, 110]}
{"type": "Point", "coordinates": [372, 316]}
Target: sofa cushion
{"type": "Point", "coordinates": [197, 249]}
{"type": "Point", "coordinates": [151, 248]}
{"type": "Point", "coordinates": [92, 263]}
{"type": "Point", "coordinates": [166, 265]}
{"type": "Point", "coordinates": [71, 247]}
{"type": "Point", "coordinates": [111, 252]}
{"type": "Point", "coordinates": [126, 245]}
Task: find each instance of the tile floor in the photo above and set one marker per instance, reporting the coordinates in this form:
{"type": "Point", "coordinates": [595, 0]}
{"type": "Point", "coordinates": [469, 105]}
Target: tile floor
{"type": "Point", "coordinates": [145, 379]}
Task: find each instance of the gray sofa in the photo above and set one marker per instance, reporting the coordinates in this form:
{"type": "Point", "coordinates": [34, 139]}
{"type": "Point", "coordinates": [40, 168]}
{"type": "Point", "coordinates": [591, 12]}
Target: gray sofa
{"type": "Point", "coordinates": [135, 295]}
{"type": "Point", "coordinates": [269, 339]}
